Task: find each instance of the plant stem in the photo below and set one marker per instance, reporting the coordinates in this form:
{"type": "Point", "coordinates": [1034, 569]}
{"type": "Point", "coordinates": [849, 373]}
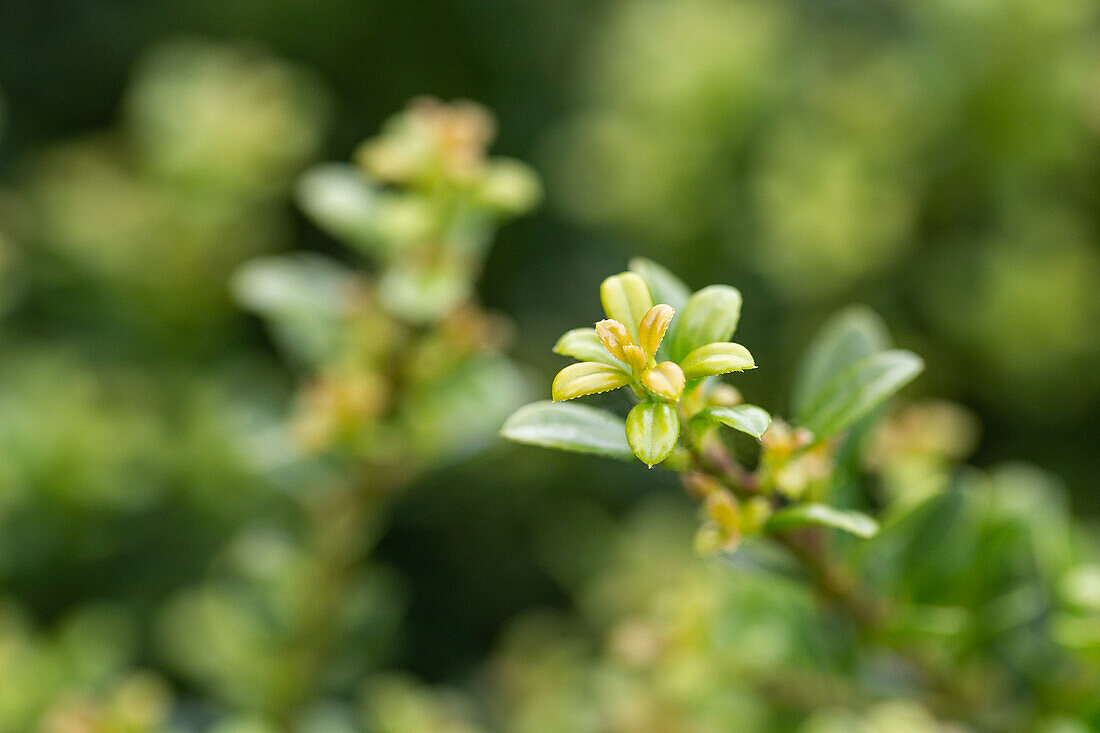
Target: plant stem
{"type": "Point", "coordinates": [837, 585]}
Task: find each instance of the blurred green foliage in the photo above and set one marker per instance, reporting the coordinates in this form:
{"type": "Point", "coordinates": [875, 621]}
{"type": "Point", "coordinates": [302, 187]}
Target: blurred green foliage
{"type": "Point", "coordinates": [185, 538]}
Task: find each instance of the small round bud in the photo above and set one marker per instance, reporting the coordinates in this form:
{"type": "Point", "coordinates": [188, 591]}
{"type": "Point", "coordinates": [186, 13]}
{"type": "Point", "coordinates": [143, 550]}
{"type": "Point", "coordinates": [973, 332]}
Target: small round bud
{"type": "Point", "coordinates": [665, 380]}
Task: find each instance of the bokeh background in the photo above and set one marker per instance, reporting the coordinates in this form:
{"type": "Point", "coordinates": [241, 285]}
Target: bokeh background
{"type": "Point", "coordinates": [938, 161]}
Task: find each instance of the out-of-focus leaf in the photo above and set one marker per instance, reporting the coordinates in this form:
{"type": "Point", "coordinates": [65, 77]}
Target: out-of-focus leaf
{"type": "Point", "coordinates": [710, 316]}
{"type": "Point", "coordinates": [822, 515]}
{"type": "Point", "coordinates": [510, 186]}
{"type": "Point", "coordinates": [576, 428]}
{"type": "Point", "coordinates": [746, 418]}
{"type": "Point", "coordinates": [665, 287]}
{"type": "Point", "coordinates": [303, 297]}
{"type": "Point", "coordinates": [341, 201]}
{"type": "Point", "coordinates": [858, 389]}
{"type": "Point", "coordinates": [424, 294]}
{"type": "Point", "coordinates": [852, 334]}
{"type": "Point", "coordinates": [652, 429]}
{"type": "Point", "coordinates": [460, 412]}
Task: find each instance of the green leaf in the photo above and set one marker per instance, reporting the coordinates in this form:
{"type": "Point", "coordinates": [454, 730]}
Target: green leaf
{"type": "Point", "coordinates": [714, 359]}
{"type": "Point", "coordinates": [303, 296]}
{"type": "Point", "coordinates": [626, 298]}
{"type": "Point", "coordinates": [852, 334]}
{"type": "Point", "coordinates": [746, 418]}
{"type": "Point", "coordinates": [586, 378]}
{"type": "Point", "coordinates": [665, 287]}
{"type": "Point", "coordinates": [858, 389]}
{"type": "Point", "coordinates": [652, 429]}
{"type": "Point", "coordinates": [584, 345]}
{"type": "Point", "coordinates": [576, 428]}
{"type": "Point", "coordinates": [709, 316]}
{"type": "Point", "coordinates": [423, 293]}
{"type": "Point", "coordinates": [458, 413]}
{"type": "Point", "coordinates": [343, 203]}
{"type": "Point", "coordinates": [822, 515]}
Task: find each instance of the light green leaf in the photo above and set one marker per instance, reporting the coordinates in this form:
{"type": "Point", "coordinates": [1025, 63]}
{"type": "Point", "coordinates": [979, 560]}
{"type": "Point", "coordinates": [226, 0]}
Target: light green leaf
{"type": "Point", "coordinates": [424, 293]}
{"type": "Point", "coordinates": [303, 296]}
{"type": "Point", "coordinates": [746, 418]}
{"type": "Point", "coordinates": [822, 515]}
{"type": "Point", "coordinates": [509, 186]}
{"type": "Point", "coordinates": [858, 389]}
{"type": "Point", "coordinates": [709, 316]}
{"type": "Point", "coordinates": [586, 378]}
{"type": "Point", "coordinates": [717, 358]}
{"type": "Point", "coordinates": [584, 345]}
{"type": "Point", "coordinates": [852, 334]}
{"type": "Point", "coordinates": [626, 298]}
{"type": "Point", "coordinates": [576, 428]}
{"type": "Point", "coordinates": [338, 198]}
{"type": "Point", "coordinates": [458, 413]}
{"type": "Point", "coordinates": [652, 429]}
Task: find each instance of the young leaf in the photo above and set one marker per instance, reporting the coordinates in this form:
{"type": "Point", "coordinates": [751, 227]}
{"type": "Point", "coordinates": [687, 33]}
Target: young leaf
{"type": "Point", "coordinates": [626, 298]}
{"type": "Point", "coordinates": [717, 358]}
{"type": "Point", "coordinates": [652, 429]}
{"type": "Point", "coordinates": [822, 515]}
{"type": "Point", "coordinates": [585, 378]}
{"type": "Point", "coordinates": [746, 418]}
{"type": "Point", "coordinates": [576, 428]}
{"type": "Point", "coordinates": [584, 345]}
{"type": "Point", "coordinates": [852, 334]}
{"type": "Point", "coordinates": [709, 316]}
{"type": "Point", "coordinates": [858, 389]}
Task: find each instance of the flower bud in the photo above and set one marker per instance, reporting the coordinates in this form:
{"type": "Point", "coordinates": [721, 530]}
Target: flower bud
{"type": "Point", "coordinates": [614, 337]}
{"type": "Point", "coordinates": [754, 513]}
{"type": "Point", "coordinates": [652, 430]}
{"type": "Point", "coordinates": [725, 395]}
{"type": "Point", "coordinates": [722, 509]}
{"type": "Point", "coordinates": [664, 380]}
{"type": "Point", "coordinates": [635, 357]}
{"type": "Point", "coordinates": [653, 326]}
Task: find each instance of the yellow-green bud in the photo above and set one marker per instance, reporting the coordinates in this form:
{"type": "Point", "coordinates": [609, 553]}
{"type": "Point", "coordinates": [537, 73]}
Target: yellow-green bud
{"type": "Point", "coordinates": [664, 380]}
{"type": "Point", "coordinates": [653, 326]}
